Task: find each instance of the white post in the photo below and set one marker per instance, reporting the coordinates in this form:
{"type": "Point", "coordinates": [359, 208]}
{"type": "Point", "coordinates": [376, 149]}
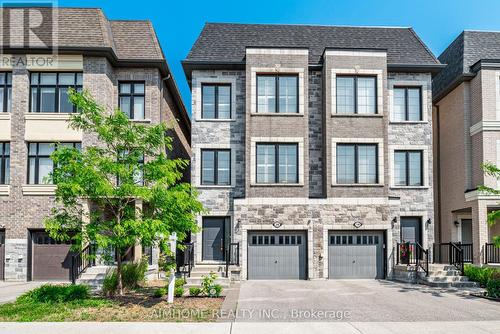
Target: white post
{"type": "Point", "coordinates": [171, 283]}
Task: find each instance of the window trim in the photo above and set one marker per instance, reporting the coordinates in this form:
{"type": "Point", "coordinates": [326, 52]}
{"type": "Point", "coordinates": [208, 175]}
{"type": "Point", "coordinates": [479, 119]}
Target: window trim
{"type": "Point", "coordinates": [37, 160]}
{"type": "Point", "coordinates": [407, 103]}
{"type": "Point", "coordinates": [276, 92]}
{"type": "Point", "coordinates": [356, 163]}
{"type": "Point", "coordinates": [276, 162]}
{"type": "Point", "coordinates": [407, 168]}
{"type": "Point", "coordinates": [3, 163]}
{"type": "Point", "coordinates": [6, 87]}
{"type": "Point", "coordinates": [216, 166]}
{"type": "Point", "coordinates": [57, 86]}
{"type": "Point", "coordinates": [356, 107]}
{"type": "Point", "coordinates": [132, 96]}
{"type": "Point", "coordinates": [216, 85]}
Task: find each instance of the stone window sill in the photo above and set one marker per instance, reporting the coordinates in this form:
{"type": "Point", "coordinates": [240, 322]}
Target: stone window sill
{"type": "Point", "coordinates": [277, 185]}
{"type": "Point", "coordinates": [39, 189]}
{"type": "Point", "coordinates": [277, 114]}
{"type": "Point", "coordinates": [5, 116]}
{"type": "Point", "coordinates": [47, 116]}
{"type": "Point", "coordinates": [359, 185]}
{"type": "Point", "coordinates": [4, 190]}
{"type": "Point", "coordinates": [357, 115]}
{"type": "Point", "coordinates": [407, 122]}
{"type": "Point", "coordinates": [215, 120]}
{"type": "Point", "coordinates": [409, 187]}
{"type": "Point", "coordinates": [146, 120]}
{"type": "Point", "coordinates": [206, 186]}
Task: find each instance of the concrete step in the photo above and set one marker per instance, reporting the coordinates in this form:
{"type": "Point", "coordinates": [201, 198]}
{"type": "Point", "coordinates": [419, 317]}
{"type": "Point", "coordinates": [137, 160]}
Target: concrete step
{"type": "Point", "coordinates": [446, 279]}
{"type": "Point", "coordinates": [441, 267]}
{"type": "Point", "coordinates": [444, 273]}
{"type": "Point", "coordinates": [452, 284]}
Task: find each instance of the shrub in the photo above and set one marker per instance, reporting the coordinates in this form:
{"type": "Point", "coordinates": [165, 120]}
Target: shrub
{"type": "Point", "coordinates": [180, 282]}
{"type": "Point", "coordinates": [215, 290]}
{"type": "Point", "coordinates": [134, 273]}
{"type": "Point", "coordinates": [194, 291]}
{"type": "Point", "coordinates": [479, 274]}
{"type": "Point", "coordinates": [48, 293]}
{"type": "Point", "coordinates": [110, 283]}
{"type": "Point", "coordinates": [208, 286]}
{"type": "Point", "coordinates": [179, 291]}
{"type": "Point", "coordinates": [493, 286]}
{"type": "Point", "coordinates": [160, 292]}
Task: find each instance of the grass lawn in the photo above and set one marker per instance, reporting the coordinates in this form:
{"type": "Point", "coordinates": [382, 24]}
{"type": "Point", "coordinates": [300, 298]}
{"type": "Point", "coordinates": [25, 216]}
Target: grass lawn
{"type": "Point", "coordinates": [139, 305]}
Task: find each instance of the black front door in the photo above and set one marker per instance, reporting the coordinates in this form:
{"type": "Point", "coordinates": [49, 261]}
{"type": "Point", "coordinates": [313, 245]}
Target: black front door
{"type": "Point", "coordinates": [213, 233]}
{"type": "Point", "coordinates": [410, 230]}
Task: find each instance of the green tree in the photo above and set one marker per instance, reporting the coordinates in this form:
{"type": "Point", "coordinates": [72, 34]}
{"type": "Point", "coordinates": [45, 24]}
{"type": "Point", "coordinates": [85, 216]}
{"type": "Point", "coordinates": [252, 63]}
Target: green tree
{"type": "Point", "coordinates": [129, 163]}
{"type": "Point", "coordinates": [493, 216]}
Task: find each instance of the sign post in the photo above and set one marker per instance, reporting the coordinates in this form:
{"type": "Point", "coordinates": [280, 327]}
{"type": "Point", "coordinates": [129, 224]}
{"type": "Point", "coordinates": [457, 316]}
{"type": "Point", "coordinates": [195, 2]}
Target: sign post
{"type": "Point", "coordinates": [171, 283]}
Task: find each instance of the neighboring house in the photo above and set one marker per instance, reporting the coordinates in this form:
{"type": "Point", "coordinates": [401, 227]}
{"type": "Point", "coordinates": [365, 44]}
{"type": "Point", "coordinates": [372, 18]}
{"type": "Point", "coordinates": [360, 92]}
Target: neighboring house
{"type": "Point", "coordinates": [122, 65]}
{"type": "Point", "coordinates": [467, 134]}
{"type": "Point", "coordinates": [312, 147]}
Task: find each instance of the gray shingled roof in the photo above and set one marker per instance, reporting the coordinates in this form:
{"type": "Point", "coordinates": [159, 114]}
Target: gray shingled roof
{"type": "Point", "coordinates": [466, 50]}
{"type": "Point", "coordinates": [89, 28]}
{"type": "Point", "coordinates": [226, 42]}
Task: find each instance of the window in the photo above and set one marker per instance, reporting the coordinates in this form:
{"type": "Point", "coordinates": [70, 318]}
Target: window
{"type": "Point", "coordinates": [138, 174]}
{"type": "Point", "coordinates": [356, 95]}
{"type": "Point", "coordinates": [408, 168]}
{"type": "Point", "coordinates": [407, 104]}
{"type": "Point", "coordinates": [40, 164]}
{"type": "Point", "coordinates": [216, 101]}
{"type": "Point", "coordinates": [357, 163]}
{"type": "Point", "coordinates": [215, 167]}
{"type": "Point", "coordinates": [4, 163]}
{"type": "Point", "coordinates": [49, 91]}
{"type": "Point", "coordinates": [131, 99]}
{"type": "Point", "coordinates": [277, 93]}
{"type": "Point", "coordinates": [277, 163]}
{"type": "Point", "coordinates": [5, 91]}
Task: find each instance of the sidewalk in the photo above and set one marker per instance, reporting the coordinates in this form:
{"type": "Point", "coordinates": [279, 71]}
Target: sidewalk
{"type": "Point", "coordinates": [456, 327]}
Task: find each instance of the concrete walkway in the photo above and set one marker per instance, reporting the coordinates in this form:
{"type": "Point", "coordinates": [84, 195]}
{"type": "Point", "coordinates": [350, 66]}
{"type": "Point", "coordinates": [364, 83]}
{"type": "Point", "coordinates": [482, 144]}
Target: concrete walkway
{"type": "Point", "coordinates": [9, 291]}
{"type": "Point", "coordinates": [465, 327]}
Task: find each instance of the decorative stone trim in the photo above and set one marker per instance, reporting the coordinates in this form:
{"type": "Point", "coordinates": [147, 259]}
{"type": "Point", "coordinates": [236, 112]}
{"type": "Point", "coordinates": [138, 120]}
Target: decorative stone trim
{"type": "Point", "coordinates": [423, 85]}
{"type": "Point", "coordinates": [285, 70]}
{"type": "Point", "coordinates": [196, 89]}
{"type": "Point", "coordinates": [5, 126]}
{"type": "Point", "coordinates": [196, 176]}
{"type": "Point", "coordinates": [316, 201]}
{"type": "Point", "coordinates": [380, 158]}
{"type": "Point", "coordinates": [50, 127]}
{"type": "Point", "coordinates": [253, 157]}
{"type": "Point", "coordinates": [39, 189]}
{"type": "Point", "coordinates": [4, 190]}
{"type": "Point", "coordinates": [476, 195]}
{"type": "Point", "coordinates": [356, 53]}
{"type": "Point", "coordinates": [425, 157]}
{"type": "Point", "coordinates": [270, 227]}
{"type": "Point", "coordinates": [277, 51]}
{"type": "Point", "coordinates": [355, 71]}
{"type": "Point", "coordinates": [484, 126]}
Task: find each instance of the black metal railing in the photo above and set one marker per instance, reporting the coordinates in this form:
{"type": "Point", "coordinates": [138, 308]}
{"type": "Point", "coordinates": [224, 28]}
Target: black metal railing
{"type": "Point", "coordinates": [447, 253]}
{"type": "Point", "coordinates": [412, 253]}
{"type": "Point", "coordinates": [456, 256]}
{"type": "Point", "coordinates": [185, 259]}
{"type": "Point", "coordinates": [81, 261]}
{"type": "Point", "coordinates": [491, 253]}
{"type": "Point", "coordinates": [232, 256]}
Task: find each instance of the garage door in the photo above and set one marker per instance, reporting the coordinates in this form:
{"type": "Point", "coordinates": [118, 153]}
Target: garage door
{"type": "Point", "coordinates": [356, 255]}
{"type": "Point", "coordinates": [51, 259]}
{"type": "Point", "coordinates": [277, 255]}
{"type": "Point", "coordinates": [2, 255]}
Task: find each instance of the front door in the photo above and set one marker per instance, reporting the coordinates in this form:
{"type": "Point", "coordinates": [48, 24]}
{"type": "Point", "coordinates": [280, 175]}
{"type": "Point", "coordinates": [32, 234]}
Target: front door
{"type": "Point", "coordinates": [410, 230]}
{"type": "Point", "coordinates": [466, 231]}
{"type": "Point", "coordinates": [213, 232]}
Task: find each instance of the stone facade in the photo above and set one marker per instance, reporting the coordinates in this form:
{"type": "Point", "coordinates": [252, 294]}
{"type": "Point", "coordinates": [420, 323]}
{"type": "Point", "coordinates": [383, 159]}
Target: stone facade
{"type": "Point", "coordinates": [317, 205]}
{"type": "Point", "coordinates": [23, 213]}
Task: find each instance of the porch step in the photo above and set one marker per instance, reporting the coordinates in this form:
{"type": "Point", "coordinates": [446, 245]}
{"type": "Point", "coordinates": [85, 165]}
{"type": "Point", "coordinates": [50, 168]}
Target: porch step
{"type": "Point", "coordinates": [441, 267]}
{"type": "Point", "coordinates": [94, 276]}
{"type": "Point", "coordinates": [444, 272]}
{"type": "Point", "coordinates": [446, 276]}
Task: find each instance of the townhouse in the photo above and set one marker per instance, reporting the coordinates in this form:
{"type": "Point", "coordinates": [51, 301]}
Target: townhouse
{"type": "Point", "coordinates": [311, 148]}
{"type": "Point", "coordinates": [120, 63]}
{"type": "Point", "coordinates": [466, 135]}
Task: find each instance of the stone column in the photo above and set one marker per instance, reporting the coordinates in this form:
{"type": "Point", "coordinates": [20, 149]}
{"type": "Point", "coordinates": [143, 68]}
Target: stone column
{"type": "Point", "coordinates": [479, 230]}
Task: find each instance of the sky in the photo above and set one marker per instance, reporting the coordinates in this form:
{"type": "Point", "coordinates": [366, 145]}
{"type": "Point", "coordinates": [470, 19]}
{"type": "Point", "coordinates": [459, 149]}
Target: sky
{"type": "Point", "coordinates": [179, 22]}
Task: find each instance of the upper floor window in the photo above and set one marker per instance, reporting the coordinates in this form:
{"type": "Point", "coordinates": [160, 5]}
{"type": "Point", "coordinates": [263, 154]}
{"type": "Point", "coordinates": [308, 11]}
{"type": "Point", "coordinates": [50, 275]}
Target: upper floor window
{"type": "Point", "coordinates": [138, 173]}
{"type": "Point", "coordinates": [277, 93]}
{"type": "Point", "coordinates": [356, 94]}
{"type": "Point", "coordinates": [407, 104]}
{"type": "Point", "coordinates": [216, 167]}
{"type": "Point", "coordinates": [40, 164]}
{"type": "Point", "coordinates": [131, 99]}
{"type": "Point", "coordinates": [216, 101]}
{"type": "Point", "coordinates": [5, 91]}
{"type": "Point", "coordinates": [4, 163]}
{"type": "Point", "coordinates": [49, 91]}
{"type": "Point", "coordinates": [408, 168]}
{"type": "Point", "coordinates": [357, 164]}
{"type": "Point", "coordinates": [277, 163]}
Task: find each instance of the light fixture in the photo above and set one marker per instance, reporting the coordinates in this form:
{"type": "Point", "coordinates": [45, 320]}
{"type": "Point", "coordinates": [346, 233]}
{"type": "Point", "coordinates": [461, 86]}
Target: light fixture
{"type": "Point", "coordinates": [456, 223]}
{"type": "Point", "coordinates": [429, 221]}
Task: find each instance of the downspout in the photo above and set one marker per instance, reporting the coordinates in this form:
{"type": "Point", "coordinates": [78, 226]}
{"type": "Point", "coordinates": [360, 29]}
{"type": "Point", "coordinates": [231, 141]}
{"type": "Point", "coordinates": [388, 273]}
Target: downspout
{"type": "Point", "coordinates": [440, 225]}
{"type": "Point", "coordinates": [163, 83]}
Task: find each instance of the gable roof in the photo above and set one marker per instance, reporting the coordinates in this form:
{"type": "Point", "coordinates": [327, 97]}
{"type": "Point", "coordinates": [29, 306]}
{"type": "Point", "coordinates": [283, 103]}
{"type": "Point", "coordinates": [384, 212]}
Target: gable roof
{"type": "Point", "coordinates": [226, 42]}
{"type": "Point", "coordinates": [462, 56]}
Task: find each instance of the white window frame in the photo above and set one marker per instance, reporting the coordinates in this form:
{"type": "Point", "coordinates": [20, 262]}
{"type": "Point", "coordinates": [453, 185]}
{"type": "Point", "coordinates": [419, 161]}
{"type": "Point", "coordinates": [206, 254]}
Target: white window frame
{"type": "Point", "coordinates": [197, 97]}
{"type": "Point", "coordinates": [380, 158]}
{"type": "Point", "coordinates": [276, 140]}
{"type": "Point", "coordinates": [425, 164]}
{"type": "Point", "coordinates": [424, 88]}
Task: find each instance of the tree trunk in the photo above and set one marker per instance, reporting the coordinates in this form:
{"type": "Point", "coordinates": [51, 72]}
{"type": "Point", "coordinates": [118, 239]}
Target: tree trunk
{"type": "Point", "coordinates": [119, 272]}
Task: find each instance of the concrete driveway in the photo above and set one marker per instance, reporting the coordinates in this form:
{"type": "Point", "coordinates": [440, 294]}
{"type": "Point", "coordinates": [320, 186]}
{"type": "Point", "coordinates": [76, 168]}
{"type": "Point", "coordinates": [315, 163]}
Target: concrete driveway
{"type": "Point", "coordinates": [9, 291]}
{"type": "Point", "coordinates": [357, 300]}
